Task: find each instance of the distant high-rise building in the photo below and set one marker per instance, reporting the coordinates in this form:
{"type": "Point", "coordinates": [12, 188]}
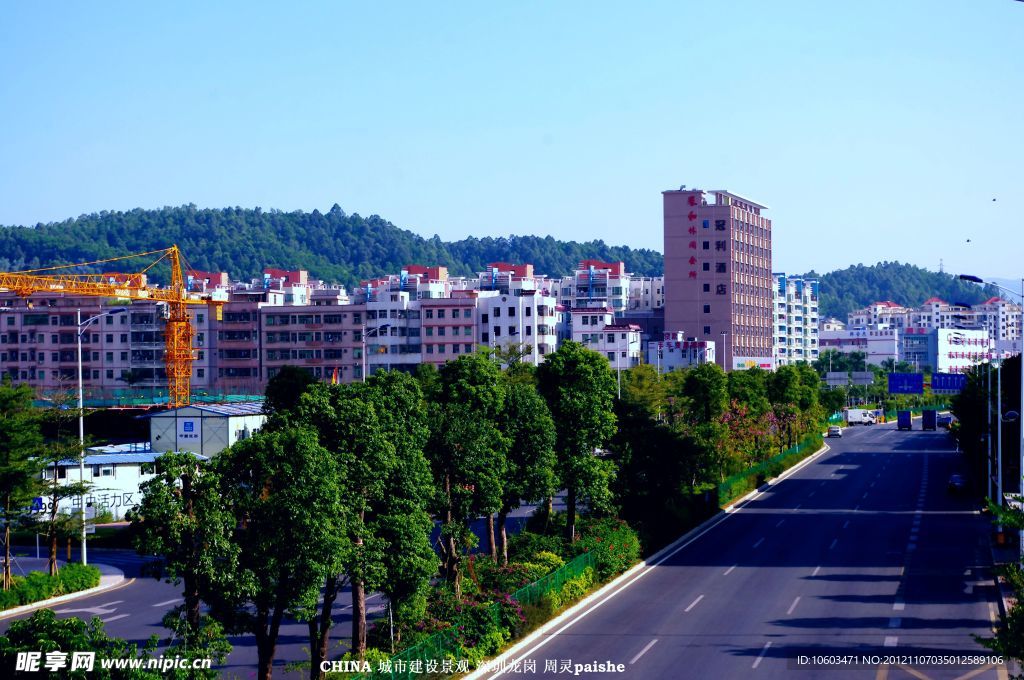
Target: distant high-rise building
{"type": "Point", "coordinates": [796, 319]}
{"type": "Point", "coordinates": [718, 276]}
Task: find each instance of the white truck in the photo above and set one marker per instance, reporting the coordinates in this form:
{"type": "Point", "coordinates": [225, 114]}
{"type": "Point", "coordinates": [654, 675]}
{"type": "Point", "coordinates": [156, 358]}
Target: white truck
{"type": "Point", "coordinates": [860, 416]}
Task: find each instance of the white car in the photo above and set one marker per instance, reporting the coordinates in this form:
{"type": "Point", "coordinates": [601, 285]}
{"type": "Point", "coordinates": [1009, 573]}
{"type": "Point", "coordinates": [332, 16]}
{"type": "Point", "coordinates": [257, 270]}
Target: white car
{"type": "Point", "coordinates": [835, 431]}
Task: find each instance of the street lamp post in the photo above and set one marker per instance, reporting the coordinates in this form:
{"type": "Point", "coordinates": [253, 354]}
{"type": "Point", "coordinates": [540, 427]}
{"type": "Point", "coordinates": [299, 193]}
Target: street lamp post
{"type": "Point", "coordinates": [1020, 412]}
{"type": "Point", "coordinates": [83, 326]}
{"type": "Point", "coordinates": [376, 330]}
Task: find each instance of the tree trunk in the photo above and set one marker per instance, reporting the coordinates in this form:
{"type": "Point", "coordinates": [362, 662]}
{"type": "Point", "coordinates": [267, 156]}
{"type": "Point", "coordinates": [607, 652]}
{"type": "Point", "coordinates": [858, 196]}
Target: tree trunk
{"type": "Point", "coordinates": [570, 514]}
{"type": "Point", "coordinates": [491, 544]}
{"type": "Point", "coordinates": [454, 574]}
{"type": "Point", "coordinates": [358, 618]}
{"type": "Point", "coordinates": [502, 536]}
{"type": "Point", "coordinates": [52, 564]}
{"type": "Point", "coordinates": [7, 557]}
{"type": "Point", "coordinates": [320, 628]}
{"type": "Point", "coordinates": [193, 604]}
{"type": "Point", "coordinates": [266, 641]}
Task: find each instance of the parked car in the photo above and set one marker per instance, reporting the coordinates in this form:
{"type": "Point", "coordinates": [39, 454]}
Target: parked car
{"type": "Point", "coordinates": [835, 431]}
{"type": "Point", "coordinates": [957, 484]}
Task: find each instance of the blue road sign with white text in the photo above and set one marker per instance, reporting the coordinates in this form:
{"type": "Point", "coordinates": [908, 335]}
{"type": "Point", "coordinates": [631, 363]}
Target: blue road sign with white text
{"type": "Point", "coordinates": [906, 383]}
{"type": "Point", "coordinates": [949, 383]}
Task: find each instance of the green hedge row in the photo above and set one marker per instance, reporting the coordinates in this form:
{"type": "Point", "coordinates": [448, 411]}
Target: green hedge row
{"type": "Point", "coordinates": [39, 586]}
{"type": "Point", "coordinates": [743, 483]}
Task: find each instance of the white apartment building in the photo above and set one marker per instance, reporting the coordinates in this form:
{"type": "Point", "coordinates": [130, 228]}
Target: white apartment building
{"type": "Point", "coordinates": [674, 352]}
{"type": "Point", "coordinates": [1001, 318]}
{"type": "Point", "coordinates": [795, 319]}
{"type": "Point", "coordinates": [878, 342]}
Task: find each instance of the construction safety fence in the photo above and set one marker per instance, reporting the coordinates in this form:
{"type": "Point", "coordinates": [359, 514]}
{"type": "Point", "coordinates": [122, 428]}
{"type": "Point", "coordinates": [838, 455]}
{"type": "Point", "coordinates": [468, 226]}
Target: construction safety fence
{"type": "Point", "coordinates": [438, 656]}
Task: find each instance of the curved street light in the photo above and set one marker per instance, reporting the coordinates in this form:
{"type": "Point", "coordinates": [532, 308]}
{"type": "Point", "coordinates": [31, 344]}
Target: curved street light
{"type": "Point", "coordinates": [1016, 414]}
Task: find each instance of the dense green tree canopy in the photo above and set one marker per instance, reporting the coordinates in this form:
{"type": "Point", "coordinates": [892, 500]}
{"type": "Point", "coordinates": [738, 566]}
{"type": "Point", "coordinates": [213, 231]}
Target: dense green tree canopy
{"type": "Point", "coordinates": [332, 246]}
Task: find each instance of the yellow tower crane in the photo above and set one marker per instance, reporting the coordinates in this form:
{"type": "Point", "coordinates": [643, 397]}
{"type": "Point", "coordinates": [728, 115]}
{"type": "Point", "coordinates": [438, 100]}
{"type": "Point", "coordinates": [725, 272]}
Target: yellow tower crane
{"type": "Point", "coordinates": [178, 354]}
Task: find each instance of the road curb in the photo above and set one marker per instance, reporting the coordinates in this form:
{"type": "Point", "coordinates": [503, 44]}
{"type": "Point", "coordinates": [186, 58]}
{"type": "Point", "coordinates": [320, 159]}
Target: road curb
{"type": "Point", "coordinates": [610, 589]}
{"type": "Point", "coordinates": [107, 582]}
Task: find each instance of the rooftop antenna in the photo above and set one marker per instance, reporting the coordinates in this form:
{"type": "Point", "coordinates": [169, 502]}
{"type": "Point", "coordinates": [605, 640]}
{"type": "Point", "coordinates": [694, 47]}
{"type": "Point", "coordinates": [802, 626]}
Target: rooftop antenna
{"type": "Point", "coordinates": [941, 270]}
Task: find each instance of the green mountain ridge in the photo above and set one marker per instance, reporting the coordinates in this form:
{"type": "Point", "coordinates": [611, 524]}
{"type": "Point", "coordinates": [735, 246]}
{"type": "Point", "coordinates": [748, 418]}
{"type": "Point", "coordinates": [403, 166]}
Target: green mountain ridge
{"type": "Point", "coordinates": [342, 248]}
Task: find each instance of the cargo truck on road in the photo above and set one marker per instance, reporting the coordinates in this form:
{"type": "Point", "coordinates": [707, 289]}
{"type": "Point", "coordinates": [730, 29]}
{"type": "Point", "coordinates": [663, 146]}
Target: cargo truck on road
{"type": "Point", "coordinates": [903, 420]}
{"type": "Point", "coordinates": [860, 416]}
{"type": "Point", "coordinates": [929, 417]}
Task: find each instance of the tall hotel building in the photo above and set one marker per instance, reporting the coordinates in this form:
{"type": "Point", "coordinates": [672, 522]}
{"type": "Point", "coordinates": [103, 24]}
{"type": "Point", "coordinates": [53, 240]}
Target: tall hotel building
{"type": "Point", "coordinates": [718, 274]}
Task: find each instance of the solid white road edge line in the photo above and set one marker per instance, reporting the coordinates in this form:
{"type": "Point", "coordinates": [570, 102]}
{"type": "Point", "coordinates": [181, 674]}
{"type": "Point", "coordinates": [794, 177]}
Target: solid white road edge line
{"type": "Point", "coordinates": [761, 655]}
{"type": "Point", "coordinates": [623, 581]}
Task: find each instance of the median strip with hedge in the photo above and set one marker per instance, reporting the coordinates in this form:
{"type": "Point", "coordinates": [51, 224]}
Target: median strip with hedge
{"type": "Point", "coordinates": [38, 586]}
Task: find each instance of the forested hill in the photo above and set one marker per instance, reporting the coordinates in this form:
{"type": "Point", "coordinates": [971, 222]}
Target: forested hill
{"type": "Point", "coordinates": [345, 248]}
{"type": "Point", "coordinates": [332, 246]}
{"type": "Point", "coordinates": [855, 287]}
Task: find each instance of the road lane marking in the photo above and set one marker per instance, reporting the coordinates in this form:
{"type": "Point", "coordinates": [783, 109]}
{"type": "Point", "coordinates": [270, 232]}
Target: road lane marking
{"type": "Point", "coordinates": [834, 541]}
{"type": "Point", "coordinates": [895, 622]}
{"type": "Point", "coordinates": [792, 606]}
{"type": "Point", "coordinates": [898, 606]}
{"type": "Point", "coordinates": [761, 655]}
{"type": "Point", "coordinates": [759, 542]}
{"type": "Point", "coordinates": [890, 640]}
{"type": "Point", "coordinates": [115, 618]}
{"type": "Point", "coordinates": [643, 651]}
{"type": "Point", "coordinates": [780, 523]}
{"type": "Point", "coordinates": [694, 603]}
{"type": "Point", "coordinates": [164, 604]}
{"type": "Point", "coordinates": [593, 603]}
{"type": "Point", "coordinates": [729, 570]}
{"type": "Point", "coordinates": [816, 570]}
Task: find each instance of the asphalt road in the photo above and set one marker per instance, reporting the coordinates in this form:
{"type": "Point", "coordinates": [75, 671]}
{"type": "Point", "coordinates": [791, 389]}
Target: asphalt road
{"type": "Point", "coordinates": [860, 553]}
{"type": "Point", "coordinates": [134, 611]}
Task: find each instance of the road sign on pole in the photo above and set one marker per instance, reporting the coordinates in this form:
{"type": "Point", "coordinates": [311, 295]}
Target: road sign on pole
{"type": "Point", "coordinates": [906, 383]}
{"type": "Point", "coordinates": [949, 383]}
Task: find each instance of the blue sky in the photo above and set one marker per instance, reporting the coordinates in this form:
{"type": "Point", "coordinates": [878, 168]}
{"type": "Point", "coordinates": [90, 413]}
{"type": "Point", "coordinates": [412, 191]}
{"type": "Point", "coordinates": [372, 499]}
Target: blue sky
{"type": "Point", "coordinates": [874, 130]}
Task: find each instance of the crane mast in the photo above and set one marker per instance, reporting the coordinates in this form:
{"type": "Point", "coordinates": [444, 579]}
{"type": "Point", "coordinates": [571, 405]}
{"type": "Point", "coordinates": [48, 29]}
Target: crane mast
{"type": "Point", "coordinates": [178, 352]}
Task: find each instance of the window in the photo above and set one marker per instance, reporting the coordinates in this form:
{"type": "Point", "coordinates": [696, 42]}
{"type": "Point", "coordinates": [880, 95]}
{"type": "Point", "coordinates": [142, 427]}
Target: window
{"type": "Point", "coordinates": [720, 289]}
{"type": "Point", "coordinates": [511, 311]}
{"type": "Point", "coordinates": [468, 348]}
{"type": "Point", "coordinates": [430, 331]}
{"type": "Point", "coordinates": [440, 330]}
{"type": "Point", "coordinates": [483, 318]}
{"type": "Point", "coordinates": [611, 356]}
{"type": "Point", "coordinates": [430, 349]}
{"type": "Point", "coordinates": [124, 356]}
{"type": "Point", "coordinates": [707, 287]}
{"type": "Point", "coordinates": [200, 372]}
{"type": "Point", "coordinates": [110, 375]}
{"type": "Point", "coordinates": [707, 330]}
{"type": "Point", "coordinates": [586, 321]}
{"type": "Point", "coordinates": [110, 356]}
{"type": "Point", "coordinates": [497, 312]}
{"type": "Point", "coordinates": [124, 337]}
{"type": "Point", "coordinates": [430, 314]}
{"type": "Point", "coordinates": [110, 337]}
{"type": "Point", "coordinates": [706, 266]}
{"type": "Point", "coordinates": [200, 318]}
{"type": "Point", "coordinates": [705, 245]}
{"type": "Point", "coordinates": [706, 223]}
{"type": "Point", "coordinates": [529, 311]}
{"type": "Point", "coordinates": [707, 309]}
{"type": "Point", "coordinates": [611, 337]}
{"type": "Point", "coordinates": [485, 337]}
{"type": "Point", "coordinates": [455, 349]}
{"type": "Point", "coordinates": [720, 268]}
{"type": "Point", "coordinates": [497, 331]}
{"type": "Point", "coordinates": [440, 314]}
